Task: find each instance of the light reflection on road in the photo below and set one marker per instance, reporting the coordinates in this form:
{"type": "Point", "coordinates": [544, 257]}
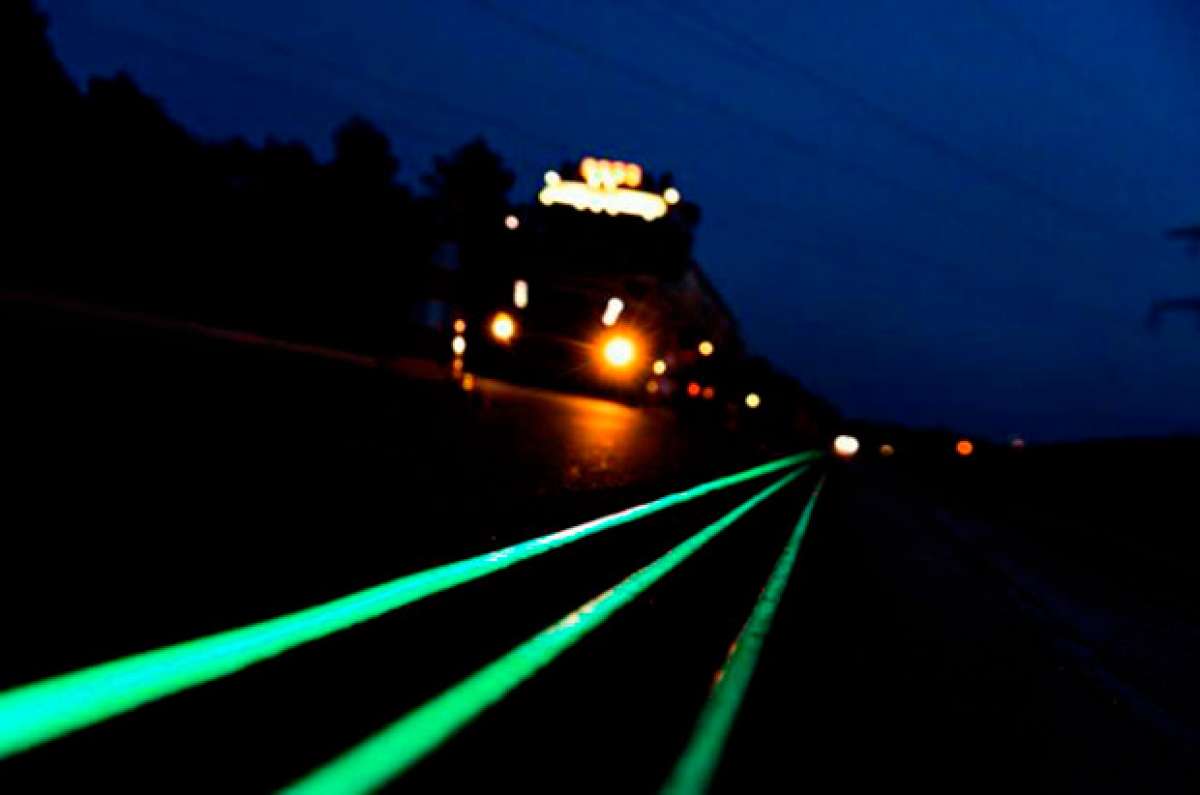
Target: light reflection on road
{"type": "Point", "coordinates": [587, 442]}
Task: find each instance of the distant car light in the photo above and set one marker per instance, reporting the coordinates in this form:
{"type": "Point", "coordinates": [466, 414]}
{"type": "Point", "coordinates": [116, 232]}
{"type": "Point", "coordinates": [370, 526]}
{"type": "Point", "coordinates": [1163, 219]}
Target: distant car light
{"type": "Point", "coordinates": [845, 446]}
{"type": "Point", "coordinates": [520, 293]}
{"type": "Point", "coordinates": [659, 367]}
{"type": "Point", "coordinates": [458, 345]}
{"type": "Point", "coordinates": [671, 196]}
{"type": "Point", "coordinates": [753, 401]}
{"type": "Point", "coordinates": [512, 222]}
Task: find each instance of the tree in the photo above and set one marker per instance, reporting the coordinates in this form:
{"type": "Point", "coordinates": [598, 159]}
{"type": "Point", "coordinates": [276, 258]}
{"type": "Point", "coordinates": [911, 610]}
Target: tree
{"type": "Point", "coordinates": [1191, 237]}
{"type": "Point", "coordinates": [363, 156]}
{"type": "Point", "coordinates": [39, 132]}
{"type": "Point", "coordinates": [38, 91]}
{"type": "Point", "coordinates": [469, 191]}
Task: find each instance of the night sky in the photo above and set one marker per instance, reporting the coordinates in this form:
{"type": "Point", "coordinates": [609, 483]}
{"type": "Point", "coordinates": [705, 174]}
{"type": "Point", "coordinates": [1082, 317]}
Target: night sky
{"type": "Point", "coordinates": [941, 212]}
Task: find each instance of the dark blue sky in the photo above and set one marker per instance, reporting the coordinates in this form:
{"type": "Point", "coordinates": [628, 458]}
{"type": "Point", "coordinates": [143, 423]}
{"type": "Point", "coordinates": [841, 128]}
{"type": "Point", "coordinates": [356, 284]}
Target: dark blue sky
{"type": "Point", "coordinates": [942, 212]}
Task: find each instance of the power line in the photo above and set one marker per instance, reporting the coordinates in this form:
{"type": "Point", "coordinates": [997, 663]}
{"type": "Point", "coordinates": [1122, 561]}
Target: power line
{"type": "Point", "coordinates": [334, 67]}
{"type": "Point", "coordinates": [905, 128]}
{"type": "Point", "coordinates": [343, 71]}
{"type": "Point", "coordinates": [365, 79]}
{"type": "Point", "coordinates": [377, 83]}
{"type": "Point", "coordinates": [405, 127]}
{"type": "Point", "coordinates": [835, 254]}
{"type": "Point", "coordinates": [754, 217]}
{"type": "Point", "coordinates": [1015, 29]}
{"type": "Point", "coordinates": [780, 138]}
{"type": "Point", "coordinates": [1038, 243]}
{"type": "Point", "coordinates": [838, 255]}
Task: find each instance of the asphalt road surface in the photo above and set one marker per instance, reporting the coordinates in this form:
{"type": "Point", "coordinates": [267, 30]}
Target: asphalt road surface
{"type": "Point", "coordinates": [164, 486]}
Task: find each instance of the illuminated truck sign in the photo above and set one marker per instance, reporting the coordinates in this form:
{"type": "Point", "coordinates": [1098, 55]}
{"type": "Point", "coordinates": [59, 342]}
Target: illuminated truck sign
{"type": "Point", "coordinates": [607, 186]}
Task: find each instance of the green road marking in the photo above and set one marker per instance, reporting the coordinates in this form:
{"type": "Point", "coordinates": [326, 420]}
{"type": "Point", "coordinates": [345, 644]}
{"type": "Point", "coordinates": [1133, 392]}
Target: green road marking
{"type": "Point", "coordinates": [42, 711]}
{"type": "Point", "coordinates": [694, 771]}
{"type": "Point", "coordinates": [396, 748]}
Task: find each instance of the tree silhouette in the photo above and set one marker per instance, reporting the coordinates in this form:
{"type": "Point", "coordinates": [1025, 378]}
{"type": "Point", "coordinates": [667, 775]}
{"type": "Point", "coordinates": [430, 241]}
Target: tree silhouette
{"type": "Point", "coordinates": [38, 92]}
{"type": "Point", "coordinates": [123, 205]}
{"type": "Point", "coordinates": [363, 156]}
{"type": "Point", "coordinates": [469, 190]}
{"type": "Point", "coordinates": [42, 110]}
{"type": "Point", "coordinates": [1190, 235]}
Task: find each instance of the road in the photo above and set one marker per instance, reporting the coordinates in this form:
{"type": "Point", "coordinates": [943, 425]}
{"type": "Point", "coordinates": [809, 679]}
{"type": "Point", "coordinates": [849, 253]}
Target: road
{"type": "Point", "coordinates": [925, 659]}
{"type": "Point", "coordinates": [167, 487]}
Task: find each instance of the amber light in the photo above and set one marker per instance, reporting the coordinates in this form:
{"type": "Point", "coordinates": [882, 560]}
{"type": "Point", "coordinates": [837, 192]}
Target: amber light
{"type": "Point", "coordinates": [619, 351]}
{"type": "Point", "coordinates": [504, 328]}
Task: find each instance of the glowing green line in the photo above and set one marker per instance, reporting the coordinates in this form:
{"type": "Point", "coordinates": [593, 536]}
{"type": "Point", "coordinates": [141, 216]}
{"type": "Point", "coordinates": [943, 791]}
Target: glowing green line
{"type": "Point", "coordinates": [394, 749]}
{"type": "Point", "coordinates": [42, 711]}
{"type": "Point", "coordinates": [694, 771]}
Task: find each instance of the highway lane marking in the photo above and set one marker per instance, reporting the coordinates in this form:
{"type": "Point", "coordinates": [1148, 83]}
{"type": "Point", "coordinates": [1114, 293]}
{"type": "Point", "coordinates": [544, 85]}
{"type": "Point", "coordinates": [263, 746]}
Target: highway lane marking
{"type": "Point", "coordinates": [394, 749]}
{"type": "Point", "coordinates": [44, 710]}
{"type": "Point", "coordinates": [694, 770]}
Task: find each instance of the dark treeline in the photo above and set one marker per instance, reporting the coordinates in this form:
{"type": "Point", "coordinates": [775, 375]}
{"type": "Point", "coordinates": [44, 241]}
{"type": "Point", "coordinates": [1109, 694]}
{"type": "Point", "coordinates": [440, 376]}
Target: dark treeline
{"type": "Point", "coordinates": [116, 202]}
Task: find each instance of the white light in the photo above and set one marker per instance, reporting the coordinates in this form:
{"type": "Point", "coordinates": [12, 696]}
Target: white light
{"type": "Point", "coordinates": [504, 327]}
{"type": "Point", "coordinates": [753, 401]}
{"type": "Point", "coordinates": [511, 222]}
{"type": "Point", "coordinates": [520, 293]}
{"type": "Point", "coordinates": [612, 312]}
{"type": "Point", "coordinates": [552, 178]}
{"type": "Point", "coordinates": [671, 196]}
{"type": "Point", "coordinates": [458, 345]}
{"type": "Point", "coordinates": [621, 201]}
{"type": "Point", "coordinates": [845, 446]}
{"type": "Point", "coordinates": [619, 351]}
{"type": "Point", "coordinates": [660, 367]}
